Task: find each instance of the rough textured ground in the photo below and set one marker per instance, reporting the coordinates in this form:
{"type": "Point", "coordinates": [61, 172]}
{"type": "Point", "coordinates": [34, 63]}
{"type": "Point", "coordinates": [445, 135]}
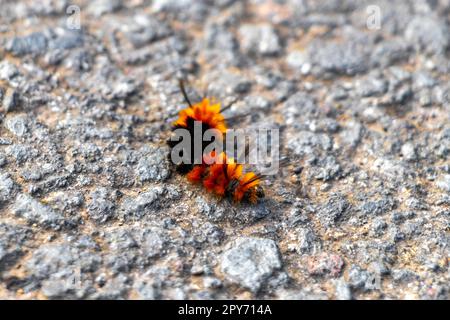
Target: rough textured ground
{"type": "Point", "coordinates": [90, 208]}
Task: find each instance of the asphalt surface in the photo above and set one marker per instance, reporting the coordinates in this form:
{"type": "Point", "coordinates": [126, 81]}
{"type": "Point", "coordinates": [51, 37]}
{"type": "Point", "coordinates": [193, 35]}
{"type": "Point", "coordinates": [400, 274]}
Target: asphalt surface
{"type": "Point", "coordinates": [90, 207]}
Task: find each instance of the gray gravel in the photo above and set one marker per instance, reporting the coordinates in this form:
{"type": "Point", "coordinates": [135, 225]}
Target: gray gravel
{"type": "Point", "coordinates": [90, 207]}
{"type": "Point", "coordinates": [250, 261]}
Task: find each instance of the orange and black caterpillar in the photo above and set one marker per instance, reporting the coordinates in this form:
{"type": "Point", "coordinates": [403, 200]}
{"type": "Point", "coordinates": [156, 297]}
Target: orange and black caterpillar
{"type": "Point", "coordinates": [204, 112]}
{"type": "Point", "coordinates": [225, 178]}
{"type": "Point", "coordinates": [218, 173]}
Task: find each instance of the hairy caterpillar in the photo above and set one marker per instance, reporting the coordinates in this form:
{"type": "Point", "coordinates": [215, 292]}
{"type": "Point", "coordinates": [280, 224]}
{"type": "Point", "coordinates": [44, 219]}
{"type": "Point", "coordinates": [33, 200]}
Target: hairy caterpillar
{"type": "Point", "coordinates": [218, 173]}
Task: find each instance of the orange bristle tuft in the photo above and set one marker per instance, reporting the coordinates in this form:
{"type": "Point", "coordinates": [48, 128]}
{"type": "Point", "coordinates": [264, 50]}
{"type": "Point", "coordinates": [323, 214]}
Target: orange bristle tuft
{"type": "Point", "coordinates": [204, 112]}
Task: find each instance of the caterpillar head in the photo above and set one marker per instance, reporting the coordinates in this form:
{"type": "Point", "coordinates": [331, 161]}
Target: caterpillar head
{"type": "Point", "coordinates": [254, 194]}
